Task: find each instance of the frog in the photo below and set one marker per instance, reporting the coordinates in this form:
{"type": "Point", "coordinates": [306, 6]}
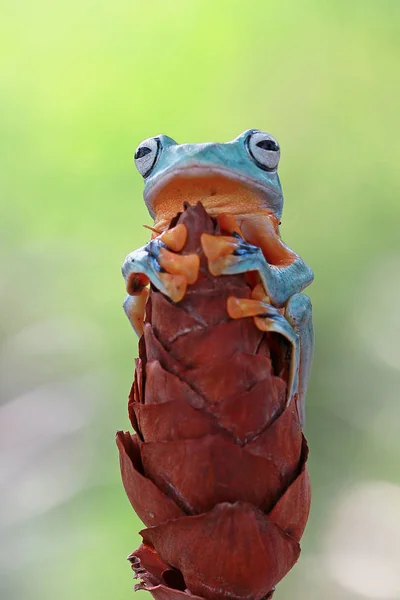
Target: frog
{"type": "Point", "coordinates": [238, 184]}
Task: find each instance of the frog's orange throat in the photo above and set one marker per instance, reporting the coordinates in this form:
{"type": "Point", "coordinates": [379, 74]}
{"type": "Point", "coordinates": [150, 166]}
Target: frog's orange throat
{"type": "Point", "coordinates": [237, 206]}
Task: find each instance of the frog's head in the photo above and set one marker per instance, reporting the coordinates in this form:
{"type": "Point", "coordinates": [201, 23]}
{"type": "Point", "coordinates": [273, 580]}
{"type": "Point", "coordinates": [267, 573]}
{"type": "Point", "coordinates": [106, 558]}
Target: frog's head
{"type": "Point", "coordinates": [237, 177]}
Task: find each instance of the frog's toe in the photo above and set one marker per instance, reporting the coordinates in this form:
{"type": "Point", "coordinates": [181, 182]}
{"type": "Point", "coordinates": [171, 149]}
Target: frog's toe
{"type": "Point", "coordinates": [230, 255]}
{"type": "Point", "coordinates": [135, 283]}
{"type": "Point", "coordinates": [186, 265]}
{"type": "Point", "coordinates": [134, 307]}
{"type": "Point", "coordinates": [238, 308]}
{"type": "Point", "coordinates": [167, 271]}
{"type": "Point", "coordinates": [175, 238]}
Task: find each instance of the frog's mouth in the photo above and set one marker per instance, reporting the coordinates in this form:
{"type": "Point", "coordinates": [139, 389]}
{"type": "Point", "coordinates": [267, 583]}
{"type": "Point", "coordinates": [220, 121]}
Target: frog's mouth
{"type": "Point", "coordinates": [219, 190]}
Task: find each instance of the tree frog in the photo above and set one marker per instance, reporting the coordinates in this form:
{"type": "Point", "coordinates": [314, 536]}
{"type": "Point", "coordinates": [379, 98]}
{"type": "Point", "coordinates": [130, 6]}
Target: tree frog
{"type": "Point", "coordinates": [238, 183]}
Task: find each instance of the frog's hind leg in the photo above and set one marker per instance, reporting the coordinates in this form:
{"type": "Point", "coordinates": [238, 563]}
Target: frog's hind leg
{"type": "Point", "coordinates": [135, 307]}
{"type": "Point", "coordinates": [270, 319]}
{"type": "Point", "coordinates": [298, 312]}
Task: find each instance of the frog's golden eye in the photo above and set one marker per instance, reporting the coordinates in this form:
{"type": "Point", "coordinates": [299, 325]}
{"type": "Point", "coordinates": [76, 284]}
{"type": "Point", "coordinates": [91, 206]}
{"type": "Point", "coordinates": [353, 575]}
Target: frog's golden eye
{"type": "Point", "coordinates": [264, 150]}
{"type": "Point", "coordinates": [146, 156]}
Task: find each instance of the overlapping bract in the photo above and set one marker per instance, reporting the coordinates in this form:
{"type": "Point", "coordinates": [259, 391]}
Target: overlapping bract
{"type": "Point", "coordinates": [216, 470]}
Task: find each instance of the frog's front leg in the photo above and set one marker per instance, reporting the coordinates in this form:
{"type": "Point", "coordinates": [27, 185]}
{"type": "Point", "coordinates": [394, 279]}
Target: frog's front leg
{"type": "Point", "coordinates": [157, 263]}
{"type": "Point", "coordinates": [230, 255]}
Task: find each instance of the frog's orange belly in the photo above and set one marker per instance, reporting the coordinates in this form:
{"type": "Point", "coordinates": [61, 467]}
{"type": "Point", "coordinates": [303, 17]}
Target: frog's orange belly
{"type": "Point", "coordinates": [223, 196]}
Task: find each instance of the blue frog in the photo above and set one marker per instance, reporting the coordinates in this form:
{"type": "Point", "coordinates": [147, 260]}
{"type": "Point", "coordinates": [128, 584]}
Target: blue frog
{"type": "Point", "coordinates": [237, 183]}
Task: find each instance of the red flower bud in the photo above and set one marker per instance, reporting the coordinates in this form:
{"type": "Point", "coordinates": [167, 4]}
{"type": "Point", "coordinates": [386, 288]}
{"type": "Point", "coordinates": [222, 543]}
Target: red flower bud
{"type": "Point", "coordinates": [216, 470]}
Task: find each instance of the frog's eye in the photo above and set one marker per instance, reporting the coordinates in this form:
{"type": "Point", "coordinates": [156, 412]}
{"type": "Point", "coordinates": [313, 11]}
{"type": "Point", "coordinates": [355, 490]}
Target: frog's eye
{"type": "Point", "coordinates": [146, 155]}
{"type": "Point", "coordinates": [264, 150]}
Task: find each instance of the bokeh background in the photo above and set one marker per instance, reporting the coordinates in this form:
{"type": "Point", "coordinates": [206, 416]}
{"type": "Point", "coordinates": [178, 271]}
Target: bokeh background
{"type": "Point", "coordinates": [82, 83]}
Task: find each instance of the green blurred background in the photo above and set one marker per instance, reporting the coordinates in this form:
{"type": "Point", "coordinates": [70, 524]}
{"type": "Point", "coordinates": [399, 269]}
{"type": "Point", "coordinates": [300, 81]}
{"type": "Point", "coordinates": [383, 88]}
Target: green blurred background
{"type": "Point", "coordinates": [82, 83]}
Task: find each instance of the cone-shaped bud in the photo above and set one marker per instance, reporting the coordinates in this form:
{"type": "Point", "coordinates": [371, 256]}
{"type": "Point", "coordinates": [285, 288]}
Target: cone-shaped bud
{"type": "Point", "coordinates": [216, 470]}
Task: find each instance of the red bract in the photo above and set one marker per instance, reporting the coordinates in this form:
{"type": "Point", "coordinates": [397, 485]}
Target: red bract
{"type": "Point", "coordinates": [216, 470]}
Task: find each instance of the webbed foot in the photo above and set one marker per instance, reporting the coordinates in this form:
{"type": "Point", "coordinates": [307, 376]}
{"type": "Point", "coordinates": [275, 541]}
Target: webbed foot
{"type": "Point", "coordinates": [169, 272]}
{"type": "Point", "coordinates": [230, 255]}
{"type": "Point", "coordinates": [269, 318]}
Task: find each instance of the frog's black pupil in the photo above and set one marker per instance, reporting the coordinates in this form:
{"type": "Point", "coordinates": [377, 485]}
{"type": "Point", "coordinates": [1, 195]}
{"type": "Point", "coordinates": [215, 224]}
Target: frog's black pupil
{"type": "Point", "coordinates": [268, 145]}
{"type": "Point", "coordinates": [142, 151]}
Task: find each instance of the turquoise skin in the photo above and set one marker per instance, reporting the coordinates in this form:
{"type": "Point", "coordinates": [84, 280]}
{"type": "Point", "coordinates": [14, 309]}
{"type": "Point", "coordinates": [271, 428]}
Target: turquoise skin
{"type": "Point", "coordinates": [230, 159]}
{"type": "Point", "coordinates": [251, 159]}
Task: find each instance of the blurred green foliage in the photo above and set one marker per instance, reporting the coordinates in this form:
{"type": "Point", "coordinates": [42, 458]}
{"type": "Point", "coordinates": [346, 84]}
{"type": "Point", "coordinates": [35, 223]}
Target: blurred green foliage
{"type": "Point", "coordinates": [82, 83]}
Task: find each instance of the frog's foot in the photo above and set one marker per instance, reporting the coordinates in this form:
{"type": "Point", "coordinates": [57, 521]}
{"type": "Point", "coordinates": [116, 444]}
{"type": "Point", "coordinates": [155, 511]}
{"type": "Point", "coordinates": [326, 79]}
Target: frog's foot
{"type": "Point", "coordinates": [269, 318]}
{"type": "Point", "coordinates": [135, 307]}
{"type": "Point", "coordinates": [228, 224]}
{"type": "Point", "coordinates": [229, 255]}
{"type": "Point", "coordinates": [170, 273]}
